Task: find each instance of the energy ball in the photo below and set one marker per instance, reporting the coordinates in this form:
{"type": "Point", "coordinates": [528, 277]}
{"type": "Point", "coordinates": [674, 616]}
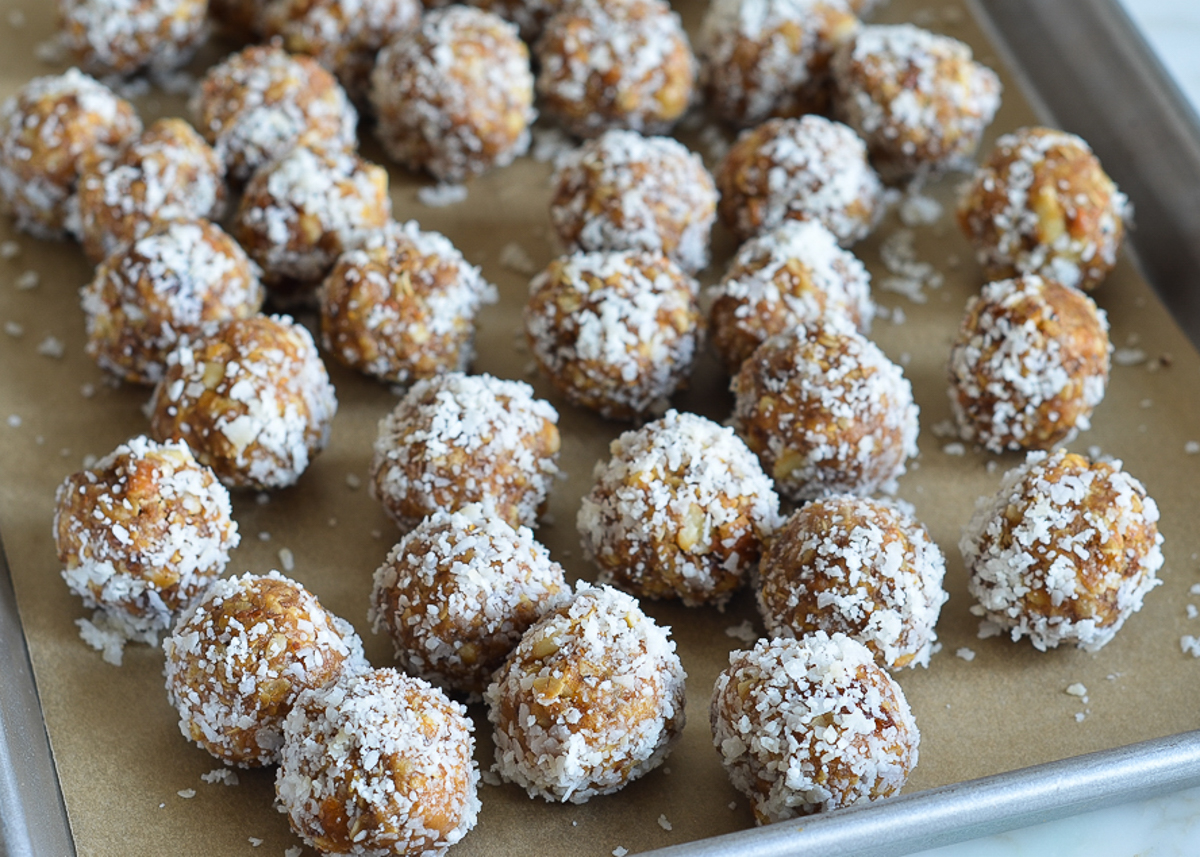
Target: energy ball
{"type": "Point", "coordinates": [239, 657]}
{"type": "Point", "coordinates": [783, 279]}
{"type": "Point", "coordinates": [252, 399]}
{"type": "Point", "coordinates": [49, 131]}
{"type": "Point", "coordinates": [681, 510]}
{"type": "Point", "coordinates": [257, 104]}
{"type": "Point", "coordinates": [591, 699]}
{"type": "Point", "coordinates": [126, 36]}
{"type": "Point", "coordinates": [456, 439]}
{"type": "Point", "coordinates": [1064, 552]}
{"type": "Point", "coordinates": [1029, 364]}
{"type": "Point", "coordinates": [456, 594]}
{"type": "Point", "coordinates": [1041, 204]}
{"type": "Point", "coordinates": [164, 286]}
{"type": "Point", "coordinates": [615, 64]}
{"type": "Point", "coordinates": [140, 535]}
{"type": "Point", "coordinates": [623, 191]}
{"type": "Point", "coordinates": [402, 305]}
{"type": "Point", "coordinates": [806, 726]}
{"type": "Point", "coordinates": [809, 168]}
{"type": "Point", "coordinates": [826, 412]}
{"type": "Point", "coordinates": [859, 567]}
{"type": "Point", "coordinates": [168, 173]}
{"type": "Point", "coordinates": [918, 99]}
{"type": "Point", "coordinates": [764, 58]}
{"type": "Point", "coordinates": [614, 332]}
{"type": "Point", "coordinates": [455, 96]}
{"type": "Point", "coordinates": [376, 765]}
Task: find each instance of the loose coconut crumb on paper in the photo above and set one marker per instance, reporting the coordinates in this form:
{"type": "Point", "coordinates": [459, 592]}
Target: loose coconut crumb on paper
{"type": "Point", "coordinates": [14, 420]}
{"type": "Point", "coordinates": [514, 258]}
{"type": "Point", "coordinates": [954, 449]}
{"type": "Point", "coordinates": [254, 841]}
{"type": "Point", "coordinates": [550, 145]}
{"type": "Point", "coordinates": [989, 629]}
{"type": "Point", "coordinates": [491, 778]}
{"type": "Point", "coordinates": [294, 851]}
{"type": "Point", "coordinates": [744, 632]}
{"type": "Point", "coordinates": [27, 280]}
{"type": "Point", "coordinates": [966, 654]}
{"type": "Point", "coordinates": [104, 639]}
{"type": "Point", "coordinates": [1194, 589]}
{"type": "Point", "coordinates": [1192, 447]}
{"type": "Point", "coordinates": [1192, 611]}
{"type": "Point", "coordinates": [663, 823]}
{"type": "Point", "coordinates": [227, 776]}
{"type": "Point", "coordinates": [51, 347]}
{"type": "Point", "coordinates": [264, 536]}
{"type": "Point", "coordinates": [9, 250]}
{"type": "Point", "coordinates": [619, 851]}
{"type": "Point", "coordinates": [1078, 690]}
{"type": "Point", "coordinates": [1128, 356]}
{"type": "Point", "coordinates": [16, 19]}
{"type": "Point", "coordinates": [910, 276]}
{"type": "Point", "coordinates": [1080, 716]}
{"type": "Point", "coordinates": [945, 428]}
{"type": "Point", "coordinates": [439, 196]}
{"type": "Point", "coordinates": [51, 52]}
{"type": "Point", "coordinates": [353, 481]}
{"type": "Point", "coordinates": [732, 805]}
{"type": "Point", "coordinates": [287, 559]}
{"type": "Point", "coordinates": [14, 329]}
{"type": "Point", "coordinates": [1190, 645]}
{"type": "Point", "coordinates": [87, 390]}
{"type": "Point", "coordinates": [916, 209]}
{"type": "Point", "coordinates": [186, 794]}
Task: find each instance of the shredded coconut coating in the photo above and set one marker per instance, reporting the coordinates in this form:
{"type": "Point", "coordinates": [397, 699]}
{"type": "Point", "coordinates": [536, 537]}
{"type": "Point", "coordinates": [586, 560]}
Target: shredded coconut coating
{"type": "Point", "coordinates": [811, 725]}
{"type": "Point", "coordinates": [918, 99]}
{"type": "Point", "coordinates": [252, 399]}
{"type": "Point", "coordinates": [49, 130]}
{"type": "Point", "coordinates": [623, 191]}
{"type": "Point", "coordinates": [1064, 552]}
{"type": "Point", "coordinates": [126, 36]}
{"type": "Point", "coordinates": [164, 286]}
{"type": "Point", "coordinates": [1030, 362]}
{"type": "Point", "coordinates": [809, 168]}
{"type": "Point", "coordinates": [1042, 204]}
{"type": "Point", "coordinates": [615, 64]}
{"type": "Point", "coordinates": [239, 657]}
{"type": "Point", "coordinates": [379, 765]}
{"type": "Point", "coordinates": [591, 699]}
{"type": "Point", "coordinates": [859, 567]}
{"type": "Point", "coordinates": [614, 332]}
{"type": "Point", "coordinates": [826, 412]}
{"type": "Point", "coordinates": [455, 96]}
{"type": "Point", "coordinates": [456, 439]}
{"type": "Point", "coordinates": [796, 274]}
{"type": "Point", "coordinates": [259, 103]}
{"type": "Point", "coordinates": [681, 510]}
{"type": "Point", "coordinates": [141, 533]}
{"type": "Point", "coordinates": [530, 16]}
{"type": "Point", "coordinates": [764, 58]}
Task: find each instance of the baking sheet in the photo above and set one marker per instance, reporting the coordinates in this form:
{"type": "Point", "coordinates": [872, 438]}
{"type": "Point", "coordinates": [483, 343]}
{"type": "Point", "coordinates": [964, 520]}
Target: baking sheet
{"type": "Point", "coordinates": [120, 758]}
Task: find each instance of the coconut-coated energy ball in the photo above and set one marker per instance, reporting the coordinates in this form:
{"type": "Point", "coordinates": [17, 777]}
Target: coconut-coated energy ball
{"type": "Point", "coordinates": [239, 657]}
{"type": "Point", "coordinates": [455, 96]}
{"type": "Point", "coordinates": [49, 130]}
{"type": "Point", "coordinates": [809, 168]}
{"type": "Point", "coordinates": [856, 566]}
{"type": "Point", "coordinates": [1042, 204]}
{"type": "Point", "coordinates": [614, 332]}
{"type": "Point", "coordinates": [165, 285]}
{"type": "Point", "coordinates": [402, 305]}
{"type": "Point", "coordinates": [615, 64]}
{"type": "Point", "coordinates": [456, 439]}
{"type": "Point", "coordinates": [1064, 552]}
{"type": "Point", "coordinates": [126, 36]}
{"type": "Point", "coordinates": [591, 699]}
{"type": "Point", "coordinates": [826, 412]}
{"type": "Point", "coordinates": [252, 399]}
{"type": "Point", "coordinates": [1029, 364]}
{"type": "Point", "coordinates": [811, 725]}
{"type": "Point", "coordinates": [793, 275]}
{"type": "Point", "coordinates": [623, 191]}
{"type": "Point", "coordinates": [378, 765]}
{"type": "Point", "coordinates": [681, 510]}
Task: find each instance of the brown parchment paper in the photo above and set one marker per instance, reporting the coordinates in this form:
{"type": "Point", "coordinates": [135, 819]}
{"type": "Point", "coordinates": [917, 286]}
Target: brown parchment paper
{"type": "Point", "coordinates": [125, 769]}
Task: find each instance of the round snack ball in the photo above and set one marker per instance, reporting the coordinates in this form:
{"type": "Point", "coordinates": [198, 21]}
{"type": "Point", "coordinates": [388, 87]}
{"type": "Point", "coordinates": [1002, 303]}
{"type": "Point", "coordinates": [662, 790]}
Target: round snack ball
{"type": "Point", "coordinates": [49, 130]}
{"type": "Point", "coordinates": [918, 99]}
{"type": "Point", "coordinates": [764, 58]}
{"type": "Point", "coordinates": [456, 439]}
{"type": "Point", "coordinates": [1042, 204]}
{"type": "Point", "coordinates": [809, 168]}
{"type": "Point", "coordinates": [793, 275]}
{"type": "Point", "coordinates": [237, 20]}
{"type": "Point", "coordinates": [811, 725]}
{"type": "Point", "coordinates": [680, 511]}
{"type": "Point", "coordinates": [455, 96]}
{"type": "Point", "coordinates": [252, 399]}
{"type": "Point", "coordinates": [126, 36]}
{"type": "Point", "coordinates": [615, 64]}
{"type": "Point", "coordinates": [1064, 552]}
{"type": "Point", "coordinates": [591, 699]}
{"type": "Point", "coordinates": [379, 764]}
{"type": "Point", "coordinates": [163, 286]}
{"type": "Point", "coordinates": [623, 191]}
{"type": "Point", "coordinates": [402, 305]}
{"type": "Point", "coordinates": [239, 657]}
{"type": "Point", "coordinates": [456, 594]}
{"type": "Point", "coordinates": [826, 412]}
{"type": "Point", "coordinates": [141, 533]}
{"type": "Point", "coordinates": [614, 332]}
{"type": "Point", "coordinates": [859, 567]}
{"type": "Point", "coordinates": [1029, 364]}
{"type": "Point", "coordinates": [260, 102]}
